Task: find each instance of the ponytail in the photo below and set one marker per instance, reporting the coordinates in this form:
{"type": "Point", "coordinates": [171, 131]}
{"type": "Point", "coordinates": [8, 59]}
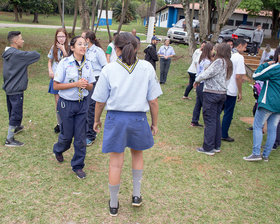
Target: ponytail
{"type": "Point", "coordinates": [128, 45]}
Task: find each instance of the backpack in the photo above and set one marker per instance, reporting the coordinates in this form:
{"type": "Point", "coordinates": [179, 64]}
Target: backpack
{"type": "Point", "coordinates": [257, 90]}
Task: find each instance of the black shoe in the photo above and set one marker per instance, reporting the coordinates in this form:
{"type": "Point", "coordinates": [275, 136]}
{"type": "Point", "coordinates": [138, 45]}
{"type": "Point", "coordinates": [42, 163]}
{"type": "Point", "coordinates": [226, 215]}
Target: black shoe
{"type": "Point", "coordinates": [18, 129]}
{"type": "Point", "coordinates": [13, 143]}
{"type": "Point", "coordinates": [136, 201]}
{"type": "Point", "coordinates": [59, 157]}
{"type": "Point", "coordinates": [196, 124]}
{"type": "Point", "coordinates": [56, 129]}
{"type": "Point", "coordinates": [250, 129]}
{"type": "Point", "coordinates": [114, 211]}
{"type": "Point", "coordinates": [228, 139]}
{"type": "Point", "coordinates": [80, 173]}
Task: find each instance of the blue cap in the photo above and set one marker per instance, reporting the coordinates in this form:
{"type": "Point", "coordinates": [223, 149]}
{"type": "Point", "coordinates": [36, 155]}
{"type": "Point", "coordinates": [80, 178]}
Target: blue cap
{"type": "Point", "coordinates": [155, 38]}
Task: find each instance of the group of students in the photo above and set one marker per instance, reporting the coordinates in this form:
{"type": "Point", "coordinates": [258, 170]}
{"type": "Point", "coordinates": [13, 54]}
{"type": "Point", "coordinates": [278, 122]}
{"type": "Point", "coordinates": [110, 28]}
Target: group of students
{"type": "Point", "coordinates": [85, 83]}
{"type": "Point", "coordinates": [216, 72]}
{"type": "Point", "coordinates": [84, 80]}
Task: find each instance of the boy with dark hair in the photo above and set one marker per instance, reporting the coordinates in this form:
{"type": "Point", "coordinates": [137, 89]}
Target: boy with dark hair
{"type": "Point", "coordinates": [15, 76]}
{"type": "Point", "coordinates": [151, 52]}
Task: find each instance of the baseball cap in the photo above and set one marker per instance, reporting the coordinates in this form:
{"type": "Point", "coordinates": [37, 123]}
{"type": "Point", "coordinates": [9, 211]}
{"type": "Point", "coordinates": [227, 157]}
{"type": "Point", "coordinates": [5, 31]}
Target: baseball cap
{"type": "Point", "coordinates": [155, 38]}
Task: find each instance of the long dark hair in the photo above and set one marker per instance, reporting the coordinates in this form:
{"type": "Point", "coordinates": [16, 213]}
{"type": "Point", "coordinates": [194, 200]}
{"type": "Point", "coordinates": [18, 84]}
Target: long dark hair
{"type": "Point", "coordinates": [224, 52]}
{"type": "Point", "coordinates": [206, 52]}
{"type": "Point", "coordinates": [276, 54]}
{"type": "Point", "coordinates": [55, 49]}
{"type": "Point", "coordinates": [128, 45]}
{"type": "Point", "coordinates": [92, 38]}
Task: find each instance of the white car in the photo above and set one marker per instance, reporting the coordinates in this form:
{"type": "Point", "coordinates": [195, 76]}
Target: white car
{"type": "Point", "coordinates": [178, 34]}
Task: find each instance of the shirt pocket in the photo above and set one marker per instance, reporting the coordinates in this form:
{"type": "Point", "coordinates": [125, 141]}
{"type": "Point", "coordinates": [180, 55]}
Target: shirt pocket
{"type": "Point", "coordinates": [71, 75]}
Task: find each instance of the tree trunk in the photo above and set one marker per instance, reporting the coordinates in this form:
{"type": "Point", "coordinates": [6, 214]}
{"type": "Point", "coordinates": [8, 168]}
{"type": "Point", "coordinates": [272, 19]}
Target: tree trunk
{"type": "Point", "coordinates": [75, 18]}
{"type": "Point", "coordinates": [35, 19]}
{"type": "Point", "coordinates": [107, 22]}
{"type": "Point", "coordinates": [189, 28]}
{"type": "Point", "coordinates": [93, 11]}
{"type": "Point", "coordinates": [124, 10]}
{"type": "Point", "coordinates": [16, 13]}
{"type": "Point", "coordinates": [224, 11]}
{"type": "Point", "coordinates": [275, 23]}
{"type": "Point", "coordinates": [99, 16]}
{"type": "Point", "coordinates": [204, 23]}
{"type": "Point", "coordinates": [59, 9]}
{"type": "Point", "coordinates": [151, 23]}
{"type": "Point", "coordinates": [84, 14]}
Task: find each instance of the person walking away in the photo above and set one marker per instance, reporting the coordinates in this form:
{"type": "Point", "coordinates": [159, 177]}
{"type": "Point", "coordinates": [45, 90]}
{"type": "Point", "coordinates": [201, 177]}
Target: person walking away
{"type": "Point", "coordinates": [74, 79]}
{"type": "Point", "coordinates": [215, 79]}
{"type": "Point", "coordinates": [268, 110]}
{"type": "Point", "coordinates": [193, 70]}
{"type": "Point", "coordinates": [58, 51]}
{"type": "Point", "coordinates": [234, 89]}
{"type": "Point", "coordinates": [166, 52]}
{"type": "Point", "coordinates": [97, 58]}
{"type": "Point", "coordinates": [129, 88]}
{"type": "Point", "coordinates": [257, 39]}
{"type": "Point", "coordinates": [15, 64]}
{"type": "Point", "coordinates": [151, 52]}
{"type": "Point", "coordinates": [204, 61]}
{"type": "Point", "coordinates": [110, 52]}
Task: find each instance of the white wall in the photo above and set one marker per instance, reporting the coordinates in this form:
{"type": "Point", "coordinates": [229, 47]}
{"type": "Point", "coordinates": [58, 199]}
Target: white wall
{"type": "Point", "coordinates": [162, 22]}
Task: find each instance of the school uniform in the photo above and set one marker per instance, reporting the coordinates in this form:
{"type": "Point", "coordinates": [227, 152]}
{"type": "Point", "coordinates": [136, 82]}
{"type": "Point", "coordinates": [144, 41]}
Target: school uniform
{"type": "Point", "coordinates": [72, 107]}
{"type": "Point", "coordinates": [54, 66]}
{"type": "Point", "coordinates": [126, 90]}
{"type": "Point", "coordinates": [97, 59]}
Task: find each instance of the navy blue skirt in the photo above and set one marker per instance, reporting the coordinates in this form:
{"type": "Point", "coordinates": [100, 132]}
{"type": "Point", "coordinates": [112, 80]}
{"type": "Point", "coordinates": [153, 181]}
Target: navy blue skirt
{"type": "Point", "coordinates": [126, 129]}
{"type": "Point", "coordinates": [51, 90]}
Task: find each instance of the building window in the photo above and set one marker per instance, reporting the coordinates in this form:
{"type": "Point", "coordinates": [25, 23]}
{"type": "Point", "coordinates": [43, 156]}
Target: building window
{"type": "Point", "coordinates": [249, 23]}
{"type": "Point", "coordinates": [166, 16]}
{"type": "Point", "coordinates": [257, 23]}
{"type": "Point", "coordinates": [265, 26]}
{"type": "Point", "coordinates": [238, 22]}
{"type": "Point", "coordinates": [230, 22]}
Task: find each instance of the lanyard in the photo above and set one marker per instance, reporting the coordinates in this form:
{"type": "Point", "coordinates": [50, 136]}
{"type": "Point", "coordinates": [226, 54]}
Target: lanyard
{"type": "Point", "coordinates": [80, 74]}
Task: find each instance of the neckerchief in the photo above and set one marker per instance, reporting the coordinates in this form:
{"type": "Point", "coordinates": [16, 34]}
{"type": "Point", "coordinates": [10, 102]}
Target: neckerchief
{"type": "Point", "coordinates": [80, 73]}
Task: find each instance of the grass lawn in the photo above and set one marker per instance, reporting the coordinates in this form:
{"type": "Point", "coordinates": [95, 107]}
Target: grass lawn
{"type": "Point", "coordinates": [179, 184]}
{"type": "Point", "coordinates": [8, 17]}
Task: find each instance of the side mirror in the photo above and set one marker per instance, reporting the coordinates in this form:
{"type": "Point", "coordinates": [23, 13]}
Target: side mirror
{"type": "Point", "coordinates": [173, 24]}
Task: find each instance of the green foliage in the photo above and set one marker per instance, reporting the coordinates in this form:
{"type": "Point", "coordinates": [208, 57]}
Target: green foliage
{"type": "Point", "coordinates": [252, 6]}
{"type": "Point", "coordinates": [38, 6]}
{"type": "Point", "coordinates": [130, 14]}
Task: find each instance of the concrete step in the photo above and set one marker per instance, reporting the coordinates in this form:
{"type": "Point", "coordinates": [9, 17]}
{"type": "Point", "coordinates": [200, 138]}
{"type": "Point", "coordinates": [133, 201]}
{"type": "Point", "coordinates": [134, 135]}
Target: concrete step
{"type": "Point", "coordinates": [252, 61]}
{"type": "Point", "coordinates": [252, 57]}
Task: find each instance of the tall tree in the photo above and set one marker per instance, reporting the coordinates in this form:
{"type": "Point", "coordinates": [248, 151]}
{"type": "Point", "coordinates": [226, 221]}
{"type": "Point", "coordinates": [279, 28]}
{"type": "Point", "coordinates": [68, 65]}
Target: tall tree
{"type": "Point", "coordinates": [152, 19]}
{"type": "Point", "coordinates": [125, 4]}
{"type": "Point", "coordinates": [15, 4]}
{"type": "Point", "coordinates": [75, 17]}
{"type": "Point", "coordinates": [107, 22]}
{"type": "Point", "coordinates": [84, 14]}
{"type": "Point", "coordinates": [93, 11]}
{"type": "Point", "coordinates": [61, 13]}
{"type": "Point", "coordinates": [189, 28]}
{"type": "Point", "coordinates": [203, 23]}
{"type": "Point", "coordinates": [99, 16]}
{"type": "Point", "coordinates": [224, 10]}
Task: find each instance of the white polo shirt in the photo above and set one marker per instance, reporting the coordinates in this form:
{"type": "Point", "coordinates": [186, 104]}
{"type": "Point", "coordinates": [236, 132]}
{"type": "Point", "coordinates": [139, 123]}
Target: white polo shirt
{"type": "Point", "coordinates": [127, 88]}
{"type": "Point", "coordinates": [238, 68]}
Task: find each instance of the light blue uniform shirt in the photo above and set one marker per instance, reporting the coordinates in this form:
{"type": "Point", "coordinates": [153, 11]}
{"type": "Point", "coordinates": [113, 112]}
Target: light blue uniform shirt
{"type": "Point", "coordinates": [59, 57]}
{"type": "Point", "coordinates": [166, 50]}
{"type": "Point", "coordinates": [127, 88]}
{"type": "Point", "coordinates": [67, 72]}
{"type": "Point", "coordinates": [97, 58]}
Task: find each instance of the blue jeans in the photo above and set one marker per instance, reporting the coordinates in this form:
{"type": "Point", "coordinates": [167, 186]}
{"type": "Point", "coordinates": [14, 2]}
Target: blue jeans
{"type": "Point", "coordinates": [262, 115]}
{"type": "Point", "coordinates": [228, 114]}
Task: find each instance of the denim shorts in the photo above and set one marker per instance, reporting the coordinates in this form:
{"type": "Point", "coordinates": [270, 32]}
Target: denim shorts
{"type": "Point", "coordinates": [126, 129]}
{"type": "Point", "coordinates": [51, 89]}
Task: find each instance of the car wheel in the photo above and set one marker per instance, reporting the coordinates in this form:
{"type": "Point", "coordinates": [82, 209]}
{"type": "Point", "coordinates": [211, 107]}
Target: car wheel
{"type": "Point", "coordinates": [220, 40]}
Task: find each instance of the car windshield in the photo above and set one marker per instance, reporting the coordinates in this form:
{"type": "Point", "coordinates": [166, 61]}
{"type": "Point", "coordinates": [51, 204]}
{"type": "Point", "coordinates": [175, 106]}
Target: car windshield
{"type": "Point", "coordinates": [179, 24]}
{"type": "Point", "coordinates": [245, 32]}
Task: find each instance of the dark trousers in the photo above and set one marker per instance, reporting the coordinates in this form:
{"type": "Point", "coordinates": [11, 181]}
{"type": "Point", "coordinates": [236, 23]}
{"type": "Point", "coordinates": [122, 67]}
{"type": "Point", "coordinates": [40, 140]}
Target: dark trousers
{"type": "Point", "coordinates": [228, 114]}
{"type": "Point", "coordinates": [212, 108]}
{"type": "Point", "coordinates": [190, 86]}
{"type": "Point", "coordinates": [255, 47]}
{"type": "Point", "coordinates": [91, 134]}
{"type": "Point", "coordinates": [198, 103]}
{"type": "Point", "coordinates": [164, 67]}
{"type": "Point", "coordinates": [73, 124]}
{"type": "Point", "coordinates": [15, 109]}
